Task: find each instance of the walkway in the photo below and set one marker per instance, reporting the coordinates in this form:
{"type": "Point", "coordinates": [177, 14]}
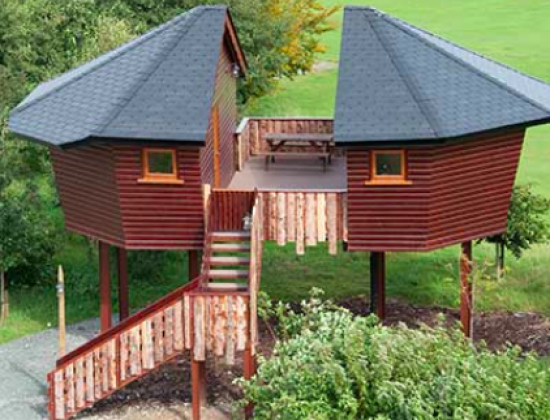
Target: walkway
{"type": "Point", "coordinates": [24, 364]}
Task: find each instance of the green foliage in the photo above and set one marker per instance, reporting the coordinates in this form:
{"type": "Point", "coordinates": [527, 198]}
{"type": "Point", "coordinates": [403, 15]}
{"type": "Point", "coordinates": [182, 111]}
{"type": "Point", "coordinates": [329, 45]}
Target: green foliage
{"type": "Point", "coordinates": [527, 221]}
{"type": "Point", "coordinates": [337, 366]}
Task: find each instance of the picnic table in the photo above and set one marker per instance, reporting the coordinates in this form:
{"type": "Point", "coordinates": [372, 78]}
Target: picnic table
{"type": "Point", "coordinates": [322, 145]}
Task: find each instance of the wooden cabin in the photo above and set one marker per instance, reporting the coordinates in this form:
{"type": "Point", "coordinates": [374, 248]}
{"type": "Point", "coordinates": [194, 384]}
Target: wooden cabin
{"type": "Point", "coordinates": [421, 154]}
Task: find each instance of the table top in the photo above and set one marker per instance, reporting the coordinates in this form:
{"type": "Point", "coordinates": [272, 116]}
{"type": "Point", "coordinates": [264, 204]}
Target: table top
{"type": "Point", "coordinates": [296, 137]}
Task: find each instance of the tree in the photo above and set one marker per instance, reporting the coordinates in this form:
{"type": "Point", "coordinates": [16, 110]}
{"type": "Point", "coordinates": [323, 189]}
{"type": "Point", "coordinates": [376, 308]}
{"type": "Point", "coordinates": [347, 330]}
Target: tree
{"type": "Point", "coordinates": [280, 38]}
{"type": "Point", "coordinates": [528, 224]}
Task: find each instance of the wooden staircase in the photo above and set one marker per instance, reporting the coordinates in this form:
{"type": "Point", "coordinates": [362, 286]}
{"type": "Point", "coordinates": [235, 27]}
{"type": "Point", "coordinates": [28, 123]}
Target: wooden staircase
{"type": "Point", "coordinates": [214, 314]}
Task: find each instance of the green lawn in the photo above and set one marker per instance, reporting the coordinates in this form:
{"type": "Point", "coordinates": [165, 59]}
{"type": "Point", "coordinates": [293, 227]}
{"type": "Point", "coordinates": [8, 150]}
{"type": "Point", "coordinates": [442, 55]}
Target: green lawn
{"type": "Point", "coordinates": [512, 31]}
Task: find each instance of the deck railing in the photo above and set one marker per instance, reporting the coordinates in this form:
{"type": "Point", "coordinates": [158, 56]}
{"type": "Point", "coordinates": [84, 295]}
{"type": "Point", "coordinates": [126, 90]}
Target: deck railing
{"type": "Point", "coordinates": [256, 251]}
{"type": "Point", "coordinates": [305, 218]}
{"type": "Point", "coordinates": [250, 136]}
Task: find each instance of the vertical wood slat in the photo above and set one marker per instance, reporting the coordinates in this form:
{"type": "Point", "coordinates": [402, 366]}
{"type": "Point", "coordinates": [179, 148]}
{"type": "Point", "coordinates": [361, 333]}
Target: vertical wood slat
{"type": "Point", "coordinates": [311, 234]}
{"type": "Point", "coordinates": [97, 374]}
{"type": "Point", "coordinates": [332, 216]}
{"type": "Point", "coordinates": [168, 331]}
{"type": "Point", "coordinates": [199, 348]}
{"type": "Point", "coordinates": [59, 392]}
{"type": "Point", "coordinates": [221, 326]}
{"type": "Point", "coordinates": [187, 321]}
{"type": "Point", "coordinates": [135, 351]}
{"type": "Point", "coordinates": [241, 324]}
{"type": "Point", "coordinates": [158, 323]}
{"type": "Point", "coordinates": [273, 216]}
{"type": "Point", "coordinates": [281, 219]}
{"type": "Point", "coordinates": [69, 388]}
{"type": "Point", "coordinates": [209, 327]}
{"type": "Point", "coordinates": [148, 356]}
{"type": "Point", "coordinates": [230, 342]}
{"type": "Point", "coordinates": [178, 326]}
{"type": "Point", "coordinates": [291, 217]}
{"type": "Point", "coordinates": [321, 217]}
{"type": "Point", "coordinates": [111, 346]}
{"type": "Point", "coordinates": [80, 376]}
{"type": "Point", "coordinates": [300, 228]}
{"type": "Point", "coordinates": [124, 356]}
{"type": "Point", "coordinates": [90, 386]}
{"type": "Point", "coordinates": [104, 369]}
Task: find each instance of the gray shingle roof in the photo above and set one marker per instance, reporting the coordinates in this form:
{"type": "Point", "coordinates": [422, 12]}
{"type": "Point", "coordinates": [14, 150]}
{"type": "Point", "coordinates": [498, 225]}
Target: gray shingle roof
{"type": "Point", "coordinates": [398, 82]}
{"type": "Point", "coordinates": [158, 86]}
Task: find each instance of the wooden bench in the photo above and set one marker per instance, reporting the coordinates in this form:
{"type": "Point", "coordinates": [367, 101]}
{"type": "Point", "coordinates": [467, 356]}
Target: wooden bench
{"type": "Point", "coordinates": [324, 156]}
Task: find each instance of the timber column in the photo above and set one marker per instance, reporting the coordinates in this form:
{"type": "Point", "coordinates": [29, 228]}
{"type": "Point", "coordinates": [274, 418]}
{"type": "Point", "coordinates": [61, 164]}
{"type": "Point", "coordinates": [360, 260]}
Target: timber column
{"type": "Point", "coordinates": [378, 284]}
{"type": "Point", "coordinates": [194, 261]}
{"type": "Point", "coordinates": [105, 306]}
{"type": "Point", "coordinates": [466, 295]}
{"type": "Point", "coordinates": [123, 293]}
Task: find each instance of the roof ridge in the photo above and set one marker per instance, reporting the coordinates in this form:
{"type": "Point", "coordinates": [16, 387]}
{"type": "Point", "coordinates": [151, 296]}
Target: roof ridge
{"type": "Point", "coordinates": [411, 87]}
{"type": "Point", "coordinates": [137, 41]}
{"type": "Point", "coordinates": [139, 84]}
{"type": "Point", "coordinates": [404, 27]}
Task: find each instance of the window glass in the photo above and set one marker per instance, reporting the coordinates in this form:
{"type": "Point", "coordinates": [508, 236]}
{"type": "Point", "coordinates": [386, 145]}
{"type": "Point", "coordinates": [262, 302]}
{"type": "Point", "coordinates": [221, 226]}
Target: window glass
{"type": "Point", "coordinates": [160, 162]}
{"type": "Point", "coordinates": [389, 164]}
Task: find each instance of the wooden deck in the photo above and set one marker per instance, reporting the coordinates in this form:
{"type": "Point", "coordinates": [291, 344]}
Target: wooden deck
{"type": "Point", "coordinates": [291, 173]}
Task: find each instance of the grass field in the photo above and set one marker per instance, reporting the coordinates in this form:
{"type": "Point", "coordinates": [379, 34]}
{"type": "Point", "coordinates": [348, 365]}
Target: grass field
{"type": "Point", "coordinates": [512, 31]}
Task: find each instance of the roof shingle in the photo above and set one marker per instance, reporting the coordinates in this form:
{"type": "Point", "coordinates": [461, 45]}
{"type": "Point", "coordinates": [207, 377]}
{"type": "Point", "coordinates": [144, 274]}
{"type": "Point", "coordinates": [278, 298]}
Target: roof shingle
{"type": "Point", "coordinates": [398, 82]}
{"type": "Point", "coordinates": [158, 86]}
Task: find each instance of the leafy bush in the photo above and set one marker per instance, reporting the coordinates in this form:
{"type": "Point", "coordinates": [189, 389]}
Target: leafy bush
{"type": "Point", "coordinates": [337, 366]}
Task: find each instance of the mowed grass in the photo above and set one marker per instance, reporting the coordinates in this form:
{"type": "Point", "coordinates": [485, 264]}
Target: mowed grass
{"type": "Point", "coordinates": [512, 31]}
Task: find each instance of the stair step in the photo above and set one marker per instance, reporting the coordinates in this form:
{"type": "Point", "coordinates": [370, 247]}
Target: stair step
{"type": "Point", "coordinates": [226, 287]}
{"type": "Point", "coordinates": [231, 236]}
{"type": "Point", "coordinates": [229, 261]}
{"type": "Point", "coordinates": [228, 274]}
{"type": "Point", "coordinates": [230, 247]}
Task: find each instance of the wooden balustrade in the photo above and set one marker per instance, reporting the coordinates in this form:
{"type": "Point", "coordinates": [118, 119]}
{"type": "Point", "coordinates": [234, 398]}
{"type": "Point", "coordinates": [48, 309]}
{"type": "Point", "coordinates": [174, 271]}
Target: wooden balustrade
{"type": "Point", "coordinates": [147, 339]}
{"type": "Point", "coordinates": [250, 136]}
{"type": "Point", "coordinates": [306, 218]}
{"type": "Point", "coordinates": [256, 251]}
{"type": "Point", "coordinates": [228, 208]}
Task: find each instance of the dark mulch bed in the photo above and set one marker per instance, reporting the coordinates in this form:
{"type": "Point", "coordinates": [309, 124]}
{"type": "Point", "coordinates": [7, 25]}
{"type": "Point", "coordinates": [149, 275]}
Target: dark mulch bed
{"type": "Point", "coordinates": [171, 382]}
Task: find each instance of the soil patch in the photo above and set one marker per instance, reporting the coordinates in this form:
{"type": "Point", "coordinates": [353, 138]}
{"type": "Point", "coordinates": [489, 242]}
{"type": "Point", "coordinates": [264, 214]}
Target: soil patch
{"type": "Point", "coordinates": [167, 390]}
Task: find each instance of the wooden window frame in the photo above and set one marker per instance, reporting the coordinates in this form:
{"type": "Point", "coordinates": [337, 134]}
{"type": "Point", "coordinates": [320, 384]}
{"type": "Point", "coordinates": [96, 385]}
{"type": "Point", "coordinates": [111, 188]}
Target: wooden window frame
{"type": "Point", "coordinates": [155, 177]}
{"type": "Point", "coordinates": [376, 179]}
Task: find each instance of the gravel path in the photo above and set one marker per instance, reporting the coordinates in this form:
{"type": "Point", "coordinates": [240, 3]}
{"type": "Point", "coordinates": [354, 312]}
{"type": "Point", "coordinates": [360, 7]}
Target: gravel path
{"type": "Point", "coordinates": [24, 364]}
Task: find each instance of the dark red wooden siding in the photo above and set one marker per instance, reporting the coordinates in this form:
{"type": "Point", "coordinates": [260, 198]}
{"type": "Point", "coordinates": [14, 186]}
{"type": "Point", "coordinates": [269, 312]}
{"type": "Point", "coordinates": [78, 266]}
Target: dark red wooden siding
{"type": "Point", "coordinates": [459, 192]}
{"type": "Point", "coordinates": [160, 216]}
{"type": "Point", "coordinates": [225, 98]}
{"type": "Point", "coordinates": [85, 178]}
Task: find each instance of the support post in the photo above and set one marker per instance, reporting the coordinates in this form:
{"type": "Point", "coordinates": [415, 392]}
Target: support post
{"type": "Point", "coordinates": [466, 295]}
{"type": "Point", "coordinates": [105, 309]}
{"type": "Point", "coordinates": [198, 387]}
{"type": "Point", "coordinates": [249, 371]}
{"type": "Point", "coordinates": [61, 298]}
{"type": "Point", "coordinates": [123, 293]}
{"type": "Point", "coordinates": [194, 264]}
{"type": "Point", "coordinates": [378, 284]}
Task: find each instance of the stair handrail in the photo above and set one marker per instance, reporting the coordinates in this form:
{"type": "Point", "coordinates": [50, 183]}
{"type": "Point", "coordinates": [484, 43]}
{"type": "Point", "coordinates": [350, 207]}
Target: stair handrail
{"type": "Point", "coordinates": [131, 321]}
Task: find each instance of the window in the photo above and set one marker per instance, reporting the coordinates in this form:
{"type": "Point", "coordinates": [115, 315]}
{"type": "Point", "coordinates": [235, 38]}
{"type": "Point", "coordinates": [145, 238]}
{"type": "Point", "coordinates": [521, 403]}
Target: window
{"type": "Point", "coordinates": [160, 166]}
{"type": "Point", "coordinates": [388, 167]}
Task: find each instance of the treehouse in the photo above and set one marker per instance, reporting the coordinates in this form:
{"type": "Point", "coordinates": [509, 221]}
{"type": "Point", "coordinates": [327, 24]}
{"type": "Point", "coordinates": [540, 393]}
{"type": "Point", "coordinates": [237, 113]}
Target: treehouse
{"type": "Point", "coordinates": [421, 154]}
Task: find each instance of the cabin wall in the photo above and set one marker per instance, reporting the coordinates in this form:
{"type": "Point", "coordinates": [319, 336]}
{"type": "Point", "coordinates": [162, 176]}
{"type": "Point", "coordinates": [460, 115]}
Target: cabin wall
{"type": "Point", "coordinates": [225, 98]}
{"type": "Point", "coordinates": [160, 216]}
{"type": "Point", "coordinates": [472, 188]}
{"type": "Point", "coordinates": [459, 192]}
{"type": "Point", "coordinates": [86, 182]}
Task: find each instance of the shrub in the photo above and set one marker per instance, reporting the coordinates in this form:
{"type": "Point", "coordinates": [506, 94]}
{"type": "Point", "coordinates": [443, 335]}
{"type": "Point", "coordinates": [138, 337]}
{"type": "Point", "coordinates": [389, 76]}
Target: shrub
{"type": "Point", "coordinates": [337, 366]}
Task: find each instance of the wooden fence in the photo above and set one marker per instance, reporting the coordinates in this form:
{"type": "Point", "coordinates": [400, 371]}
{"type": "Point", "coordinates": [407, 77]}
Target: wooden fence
{"type": "Point", "coordinates": [306, 218]}
{"type": "Point", "coordinates": [250, 136]}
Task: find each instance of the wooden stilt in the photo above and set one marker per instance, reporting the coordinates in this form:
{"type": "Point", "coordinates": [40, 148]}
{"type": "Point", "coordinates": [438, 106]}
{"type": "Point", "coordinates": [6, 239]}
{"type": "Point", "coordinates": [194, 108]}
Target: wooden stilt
{"type": "Point", "coordinates": [198, 385]}
{"type": "Point", "coordinates": [194, 264]}
{"type": "Point", "coordinates": [249, 371]}
{"type": "Point", "coordinates": [378, 284]}
{"type": "Point", "coordinates": [466, 296]}
{"type": "Point", "coordinates": [123, 292]}
{"type": "Point", "coordinates": [105, 310]}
